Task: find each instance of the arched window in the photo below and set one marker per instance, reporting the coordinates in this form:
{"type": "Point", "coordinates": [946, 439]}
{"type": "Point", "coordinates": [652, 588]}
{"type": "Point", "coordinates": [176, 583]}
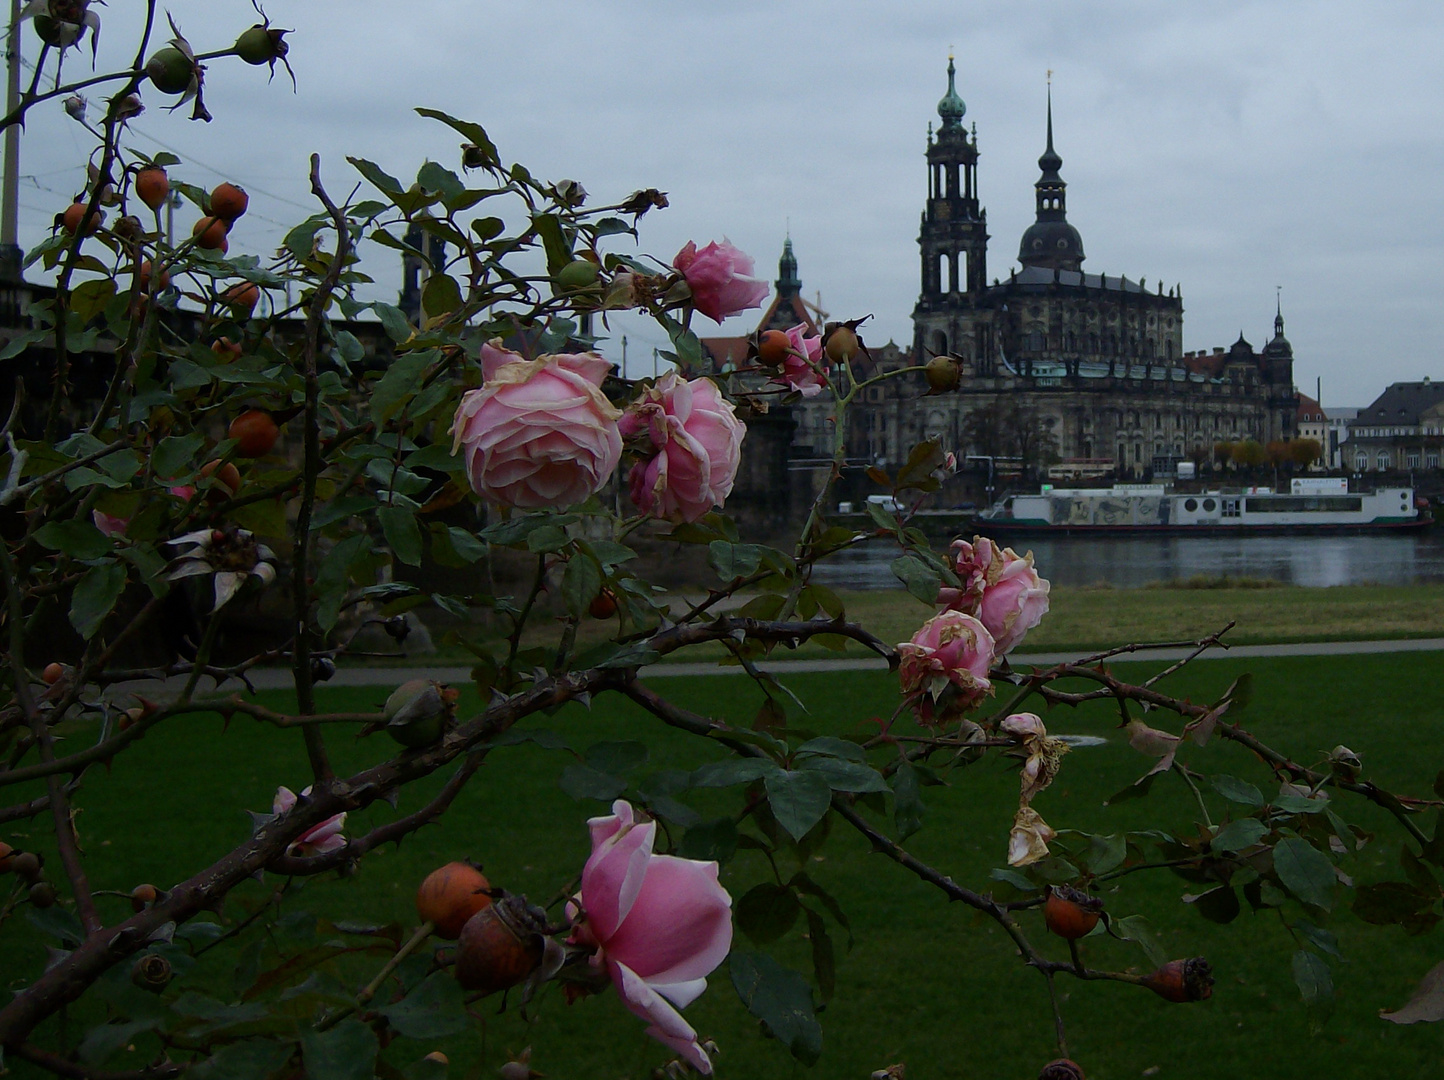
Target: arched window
{"type": "Point", "coordinates": [1361, 462]}
{"type": "Point", "coordinates": [1384, 460]}
{"type": "Point", "coordinates": [940, 343]}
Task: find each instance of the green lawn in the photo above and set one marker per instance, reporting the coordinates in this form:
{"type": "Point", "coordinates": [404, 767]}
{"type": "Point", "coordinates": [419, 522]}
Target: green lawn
{"type": "Point", "coordinates": [927, 982]}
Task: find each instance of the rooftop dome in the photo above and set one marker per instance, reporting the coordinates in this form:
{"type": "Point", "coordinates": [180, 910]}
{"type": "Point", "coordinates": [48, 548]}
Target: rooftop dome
{"type": "Point", "coordinates": [952, 108]}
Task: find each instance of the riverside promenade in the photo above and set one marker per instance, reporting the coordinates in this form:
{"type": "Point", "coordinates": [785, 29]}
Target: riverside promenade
{"type": "Point", "coordinates": [275, 678]}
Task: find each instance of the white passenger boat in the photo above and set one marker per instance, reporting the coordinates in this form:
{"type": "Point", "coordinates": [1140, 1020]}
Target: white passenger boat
{"type": "Point", "coordinates": [1143, 508]}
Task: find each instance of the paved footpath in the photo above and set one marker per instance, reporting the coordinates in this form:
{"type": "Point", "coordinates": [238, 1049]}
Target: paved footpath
{"type": "Point", "coordinates": [393, 676]}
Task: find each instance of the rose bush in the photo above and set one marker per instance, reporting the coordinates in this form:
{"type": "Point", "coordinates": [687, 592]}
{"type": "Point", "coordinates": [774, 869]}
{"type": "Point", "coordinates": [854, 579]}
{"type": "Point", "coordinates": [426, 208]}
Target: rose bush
{"type": "Point", "coordinates": [151, 569]}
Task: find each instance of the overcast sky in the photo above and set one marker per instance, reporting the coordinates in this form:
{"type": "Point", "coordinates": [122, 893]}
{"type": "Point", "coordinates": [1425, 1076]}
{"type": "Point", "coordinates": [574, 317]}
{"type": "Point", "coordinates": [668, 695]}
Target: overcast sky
{"type": "Point", "coordinates": [1229, 147]}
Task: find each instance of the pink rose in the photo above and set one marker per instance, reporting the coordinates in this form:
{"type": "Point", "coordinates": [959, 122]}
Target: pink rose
{"type": "Point", "coordinates": [320, 840]}
{"type": "Point", "coordinates": [720, 278]}
{"type": "Point", "coordinates": [1000, 587]}
{"type": "Point", "coordinates": [539, 433]}
{"type": "Point", "coordinates": [661, 925]}
{"type": "Point", "coordinates": [951, 649]}
{"type": "Point", "coordinates": [804, 369]}
{"type": "Point", "coordinates": [698, 443]}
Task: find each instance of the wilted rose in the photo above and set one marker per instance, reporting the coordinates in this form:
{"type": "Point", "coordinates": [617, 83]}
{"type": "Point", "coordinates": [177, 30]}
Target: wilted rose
{"type": "Point", "coordinates": [720, 277]}
{"type": "Point", "coordinates": [697, 440]}
{"type": "Point", "coordinates": [660, 924]}
{"type": "Point", "coordinates": [998, 586]}
{"type": "Point", "coordinates": [1028, 842]}
{"type": "Point", "coordinates": [950, 650]}
{"type": "Point", "coordinates": [538, 433]}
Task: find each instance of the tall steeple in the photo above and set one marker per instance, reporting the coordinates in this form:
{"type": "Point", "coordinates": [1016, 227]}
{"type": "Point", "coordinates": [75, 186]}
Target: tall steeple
{"type": "Point", "coordinates": [1050, 241]}
{"type": "Point", "coordinates": [954, 236]}
{"type": "Point", "coordinates": [788, 283]}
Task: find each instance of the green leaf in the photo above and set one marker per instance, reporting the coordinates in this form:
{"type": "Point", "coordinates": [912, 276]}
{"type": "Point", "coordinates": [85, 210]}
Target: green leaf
{"type": "Point", "coordinates": [393, 320]}
{"type": "Point", "coordinates": [581, 584]}
{"type": "Point", "coordinates": [781, 999]}
{"type": "Point", "coordinates": [824, 965]}
{"type": "Point", "coordinates": [830, 747]}
{"type": "Point", "coordinates": [733, 771]}
{"type": "Point", "coordinates": [1218, 905]}
{"type": "Point", "coordinates": [907, 807]}
{"type": "Point", "coordinates": [1135, 928]}
{"type": "Point", "coordinates": [1106, 853]}
{"type": "Point", "coordinates": [346, 1052]}
{"type": "Point", "coordinates": [1319, 938]}
{"type": "Point", "coordinates": [475, 133]}
{"type": "Point", "coordinates": [1305, 871]}
{"type": "Point", "coordinates": [845, 775]}
{"type": "Point", "coordinates": [617, 757]}
{"type": "Point", "coordinates": [95, 595]}
{"type": "Point", "coordinates": [388, 185]}
{"type": "Point", "coordinates": [733, 561]}
{"type": "Point", "coordinates": [78, 539]}
{"type": "Point", "coordinates": [547, 539]}
{"type": "Point", "coordinates": [711, 841]}
{"type": "Point", "coordinates": [767, 911]}
{"type": "Point", "coordinates": [799, 800]}
{"type": "Point", "coordinates": [402, 533]}
{"type": "Point", "coordinates": [584, 782]}
{"type": "Point", "coordinates": [104, 1040]}
{"type": "Point", "coordinates": [559, 252]}
{"type": "Point", "coordinates": [441, 295]}
{"type": "Point", "coordinates": [433, 1010]}
{"type": "Point", "coordinates": [58, 923]}
{"type": "Point", "coordinates": [1315, 983]}
{"type": "Point", "coordinates": [401, 380]}
{"type": "Point", "coordinates": [253, 1059]}
{"type": "Point", "coordinates": [1240, 834]}
{"type": "Point", "coordinates": [1236, 790]}
{"type": "Point", "coordinates": [921, 580]}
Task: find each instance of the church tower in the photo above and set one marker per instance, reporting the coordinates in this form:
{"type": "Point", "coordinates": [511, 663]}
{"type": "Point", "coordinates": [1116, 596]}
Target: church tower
{"type": "Point", "coordinates": [1050, 242]}
{"type": "Point", "coordinates": [954, 243]}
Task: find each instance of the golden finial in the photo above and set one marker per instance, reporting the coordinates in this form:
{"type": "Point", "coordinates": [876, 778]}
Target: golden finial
{"type": "Point", "coordinates": [1050, 76]}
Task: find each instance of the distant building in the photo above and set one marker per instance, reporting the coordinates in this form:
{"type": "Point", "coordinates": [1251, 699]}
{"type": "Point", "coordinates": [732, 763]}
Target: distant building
{"type": "Point", "coordinates": [1402, 429]}
{"type": "Point", "coordinates": [1313, 424]}
{"type": "Point", "coordinates": [1338, 421]}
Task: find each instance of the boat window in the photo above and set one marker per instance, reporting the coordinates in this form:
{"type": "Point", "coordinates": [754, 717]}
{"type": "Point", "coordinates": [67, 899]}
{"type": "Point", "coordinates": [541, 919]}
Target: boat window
{"type": "Point", "coordinates": [1304, 504]}
{"type": "Point", "coordinates": [1230, 508]}
{"type": "Point", "coordinates": [1190, 505]}
{"type": "Point", "coordinates": [1209, 506]}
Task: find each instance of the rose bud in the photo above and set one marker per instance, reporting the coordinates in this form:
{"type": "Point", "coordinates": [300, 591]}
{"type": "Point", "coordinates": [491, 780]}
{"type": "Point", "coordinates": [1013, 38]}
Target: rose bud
{"type": "Point", "coordinates": [151, 972]}
{"type": "Point", "coordinates": [7, 854]}
{"type": "Point", "coordinates": [943, 373]}
{"type": "Point", "coordinates": [450, 896]}
{"type": "Point", "coordinates": [1071, 914]}
{"type": "Point", "coordinates": [1062, 1069]}
{"type": "Point", "coordinates": [416, 713]}
{"type": "Point", "coordinates": [322, 668]}
{"type": "Point", "coordinates": [27, 864]}
{"type": "Point", "coordinates": [143, 896]}
{"type": "Point", "coordinates": [840, 343]}
{"type": "Point", "coordinates": [500, 945]}
{"type": "Point", "coordinates": [1182, 980]}
{"type": "Point", "coordinates": [42, 894]}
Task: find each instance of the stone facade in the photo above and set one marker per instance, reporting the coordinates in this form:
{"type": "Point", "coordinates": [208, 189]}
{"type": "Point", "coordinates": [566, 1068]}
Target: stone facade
{"type": "Point", "coordinates": [1402, 430]}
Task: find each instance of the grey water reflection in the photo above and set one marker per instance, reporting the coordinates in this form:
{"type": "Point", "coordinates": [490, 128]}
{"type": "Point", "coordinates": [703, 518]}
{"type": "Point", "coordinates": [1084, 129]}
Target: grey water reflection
{"type": "Point", "coordinates": [1129, 562]}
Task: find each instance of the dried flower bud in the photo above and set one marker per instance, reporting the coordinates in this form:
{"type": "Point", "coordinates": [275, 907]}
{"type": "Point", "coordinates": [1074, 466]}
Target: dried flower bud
{"type": "Point", "coordinates": [151, 972]}
{"type": "Point", "coordinates": [1062, 1069]}
{"type": "Point", "coordinates": [322, 668]}
{"type": "Point", "coordinates": [397, 628]}
{"type": "Point", "coordinates": [1345, 763]}
{"type": "Point", "coordinates": [1182, 980]}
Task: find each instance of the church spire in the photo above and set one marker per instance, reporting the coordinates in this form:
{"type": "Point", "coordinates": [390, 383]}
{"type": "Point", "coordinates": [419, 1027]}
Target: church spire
{"type": "Point", "coordinates": [788, 283]}
{"type": "Point", "coordinates": [1050, 241]}
{"type": "Point", "coordinates": [952, 108]}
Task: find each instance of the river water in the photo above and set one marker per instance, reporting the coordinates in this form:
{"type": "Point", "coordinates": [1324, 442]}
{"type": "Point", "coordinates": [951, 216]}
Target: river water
{"type": "Point", "coordinates": [1129, 562]}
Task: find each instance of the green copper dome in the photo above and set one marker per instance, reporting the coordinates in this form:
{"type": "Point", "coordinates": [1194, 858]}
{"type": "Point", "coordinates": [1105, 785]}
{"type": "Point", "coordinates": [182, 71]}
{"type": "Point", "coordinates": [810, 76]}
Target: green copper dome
{"type": "Point", "coordinates": [952, 107]}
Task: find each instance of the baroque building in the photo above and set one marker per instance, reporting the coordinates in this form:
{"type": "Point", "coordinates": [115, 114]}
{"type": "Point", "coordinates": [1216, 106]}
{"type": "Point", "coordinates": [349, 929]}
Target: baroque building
{"type": "Point", "coordinates": [1084, 372]}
